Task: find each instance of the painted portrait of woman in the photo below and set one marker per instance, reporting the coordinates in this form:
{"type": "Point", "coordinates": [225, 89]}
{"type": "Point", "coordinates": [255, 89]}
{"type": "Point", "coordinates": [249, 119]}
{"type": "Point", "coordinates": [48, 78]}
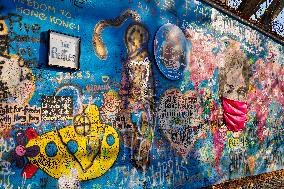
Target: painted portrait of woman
{"type": "Point", "coordinates": [233, 86]}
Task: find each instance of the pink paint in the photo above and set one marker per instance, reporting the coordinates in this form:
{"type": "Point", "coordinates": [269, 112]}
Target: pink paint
{"type": "Point", "coordinates": [20, 150]}
{"type": "Point", "coordinates": [218, 141]}
{"type": "Point", "coordinates": [235, 114]}
{"type": "Point", "coordinates": [203, 61]}
{"type": "Point", "coordinates": [260, 99]}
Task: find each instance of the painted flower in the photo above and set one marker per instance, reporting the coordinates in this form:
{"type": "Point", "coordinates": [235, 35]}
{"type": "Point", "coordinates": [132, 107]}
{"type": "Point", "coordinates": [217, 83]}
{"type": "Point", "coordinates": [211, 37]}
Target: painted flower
{"type": "Point", "coordinates": [20, 152]}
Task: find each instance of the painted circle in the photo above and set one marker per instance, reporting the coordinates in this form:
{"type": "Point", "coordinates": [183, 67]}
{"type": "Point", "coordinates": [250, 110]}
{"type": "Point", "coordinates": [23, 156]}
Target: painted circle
{"type": "Point", "coordinates": [72, 146]}
{"type": "Point", "coordinates": [51, 149]}
{"type": "Point", "coordinates": [20, 150]}
{"type": "Point", "coordinates": [110, 139]}
{"type": "Point", "coordinates": [82, 124]}
{"type": "Point", "coordinates": [172, 51]}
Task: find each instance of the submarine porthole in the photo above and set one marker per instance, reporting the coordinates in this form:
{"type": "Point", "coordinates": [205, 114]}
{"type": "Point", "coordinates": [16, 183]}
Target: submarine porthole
{"type": "Point", "coordinates": [51, 149]}
{"type": "Point", "coordinates": [72, 146]}
{"type": "Point", "coordinates": [110, 139]}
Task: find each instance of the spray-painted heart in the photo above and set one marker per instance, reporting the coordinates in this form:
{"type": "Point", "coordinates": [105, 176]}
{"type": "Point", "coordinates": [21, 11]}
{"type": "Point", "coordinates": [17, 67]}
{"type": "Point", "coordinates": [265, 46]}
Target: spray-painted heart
{"type": "Point", "coordinates": [180, 119]}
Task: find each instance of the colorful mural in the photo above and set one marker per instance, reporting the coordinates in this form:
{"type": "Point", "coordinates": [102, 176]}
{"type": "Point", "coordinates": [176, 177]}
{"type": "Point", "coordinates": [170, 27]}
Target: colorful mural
{"type": "Point", "coordinates": [169, 94]}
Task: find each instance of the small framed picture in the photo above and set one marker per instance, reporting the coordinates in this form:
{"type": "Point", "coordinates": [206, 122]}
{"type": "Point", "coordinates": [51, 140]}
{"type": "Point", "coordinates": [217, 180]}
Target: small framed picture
{"type": "Point", "coordinates": [63, 50]}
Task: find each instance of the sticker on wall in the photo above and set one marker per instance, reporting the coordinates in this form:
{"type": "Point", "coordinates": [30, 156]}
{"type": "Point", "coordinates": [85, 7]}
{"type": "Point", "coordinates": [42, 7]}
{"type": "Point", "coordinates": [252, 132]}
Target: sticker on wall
{"type": "Point", "coordinates": [170, 51]}
{"type": "Point", "coordinates": [64, 50]}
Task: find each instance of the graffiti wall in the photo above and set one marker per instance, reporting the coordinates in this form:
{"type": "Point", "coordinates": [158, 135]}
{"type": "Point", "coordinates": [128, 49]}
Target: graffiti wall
{"type": "Point", "coordinates": [169, 94]}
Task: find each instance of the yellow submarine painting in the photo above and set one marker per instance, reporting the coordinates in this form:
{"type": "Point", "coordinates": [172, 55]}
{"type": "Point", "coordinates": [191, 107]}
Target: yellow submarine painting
{"type": "Point", "coordinates": [88, 146]}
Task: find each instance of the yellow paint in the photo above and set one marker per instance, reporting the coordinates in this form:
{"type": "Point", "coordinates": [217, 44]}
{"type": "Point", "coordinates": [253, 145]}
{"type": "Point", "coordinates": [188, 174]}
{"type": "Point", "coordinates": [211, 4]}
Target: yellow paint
{"type": "Point", "coordinates": [208, 172]}
{"type": "Point", "coordinates": [233, 142]}
{"type": "Point", "coordinates": [4, 31]}
{"type": "Point", "coordinates": [251, 163]}
{"type": "Point", "coordinates": [89, 166]}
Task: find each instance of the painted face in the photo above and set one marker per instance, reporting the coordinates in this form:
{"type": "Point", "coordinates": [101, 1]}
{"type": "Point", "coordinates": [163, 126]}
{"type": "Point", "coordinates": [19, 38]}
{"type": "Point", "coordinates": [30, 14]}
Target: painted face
{"type": "Point", "coordinates": [234, 73]}
{"type": "Point", "coordinates": [112, 101]}
{"type": "Point", "coordinates": [135, 37]}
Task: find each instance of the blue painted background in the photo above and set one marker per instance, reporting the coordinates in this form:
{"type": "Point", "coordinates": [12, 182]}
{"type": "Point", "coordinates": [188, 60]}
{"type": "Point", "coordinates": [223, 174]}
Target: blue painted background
{"type": "Point", "coordinates": [167, 168]}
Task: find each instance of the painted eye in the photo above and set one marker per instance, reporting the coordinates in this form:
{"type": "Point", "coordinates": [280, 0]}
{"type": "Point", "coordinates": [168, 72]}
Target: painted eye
{"type": "Point", "coordinates": [110, 139]}
{"type": "Point", "coordinates": [29, 76]}
{"type": "Point", "coordinates": [226, 43]}
{"type": "Point", "coordinates": [51, 149]}
{"type": "Point", "coordinates": [1, 27]}
{"type": "Point", "coordinates": [72, 146]}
